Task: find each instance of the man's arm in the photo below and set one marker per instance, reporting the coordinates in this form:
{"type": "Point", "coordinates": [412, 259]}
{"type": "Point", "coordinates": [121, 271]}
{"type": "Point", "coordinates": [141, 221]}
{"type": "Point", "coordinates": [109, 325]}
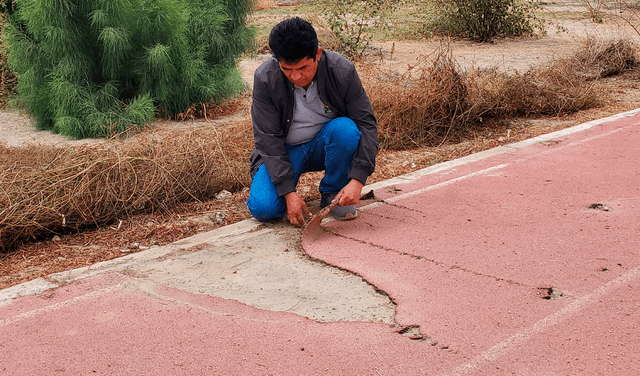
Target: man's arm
{"type": "Point", "coordinates": [359, 110]}
{"type": "Point", "coordinates": [340, 82]}
{"type": "Point", "coordinates": [269, 140]}
{"type": "Point", "coordinates": [268, 106]}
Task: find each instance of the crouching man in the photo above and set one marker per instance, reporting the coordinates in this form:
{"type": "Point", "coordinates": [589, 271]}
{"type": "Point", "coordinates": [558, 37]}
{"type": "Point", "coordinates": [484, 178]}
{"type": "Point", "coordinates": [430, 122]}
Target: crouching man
{"type": "Point", "coordinates": [310, 113]}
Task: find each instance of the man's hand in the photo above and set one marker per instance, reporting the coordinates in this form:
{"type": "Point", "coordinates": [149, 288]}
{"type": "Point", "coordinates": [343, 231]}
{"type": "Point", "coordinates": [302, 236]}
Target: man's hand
{"type": "Point", "coordinates": [296, 209]}
{"type": "Point", "coordinates": [350, 194]}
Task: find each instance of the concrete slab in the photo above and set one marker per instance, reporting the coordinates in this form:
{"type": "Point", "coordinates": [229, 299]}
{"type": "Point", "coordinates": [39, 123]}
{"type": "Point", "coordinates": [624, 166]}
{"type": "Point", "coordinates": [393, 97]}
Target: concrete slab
{"type": "Point", "coordinates": [260, 270]}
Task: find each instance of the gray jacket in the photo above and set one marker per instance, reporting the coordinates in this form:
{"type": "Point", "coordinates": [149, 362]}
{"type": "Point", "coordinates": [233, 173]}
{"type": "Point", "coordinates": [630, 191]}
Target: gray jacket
{"type": "Point", "coordinates": [272, 109]}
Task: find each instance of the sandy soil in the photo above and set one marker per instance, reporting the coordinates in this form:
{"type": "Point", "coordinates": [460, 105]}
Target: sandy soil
{"type": "Point", "coordinates": [17, 129]}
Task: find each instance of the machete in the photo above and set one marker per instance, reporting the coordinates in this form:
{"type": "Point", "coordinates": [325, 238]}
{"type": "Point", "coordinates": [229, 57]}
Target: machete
{"type": "Point", "coordinates": [313, 224]}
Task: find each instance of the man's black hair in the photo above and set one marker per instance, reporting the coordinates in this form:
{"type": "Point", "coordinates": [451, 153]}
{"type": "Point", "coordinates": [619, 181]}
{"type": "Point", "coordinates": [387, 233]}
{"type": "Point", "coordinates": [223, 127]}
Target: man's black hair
{"type": "Point", "coordinates": [292, 40]}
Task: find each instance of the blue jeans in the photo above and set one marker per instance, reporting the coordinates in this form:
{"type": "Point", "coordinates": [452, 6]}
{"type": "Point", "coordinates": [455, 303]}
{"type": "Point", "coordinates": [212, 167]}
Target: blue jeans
{"type": "Point", "coordinates": [331, 150]}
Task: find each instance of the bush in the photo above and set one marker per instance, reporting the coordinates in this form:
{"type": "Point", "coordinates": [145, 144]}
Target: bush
{"type": "Point", "coordinates": [420, 108]}
{"type": "Point", "coordinates": [92, 67]}
{"type": "Point", "coordinates": [8, 80]}
{"type": "Point", "coordinates": [482, 20]}
{"type": "Point", "coordinates": [602, 58]}
{"type": "Point", "coordinates": [52, 190]}
{"type": "Point", "coordinates": [353, 21]}
{"type": "Point", "coordinates": [436, 102]}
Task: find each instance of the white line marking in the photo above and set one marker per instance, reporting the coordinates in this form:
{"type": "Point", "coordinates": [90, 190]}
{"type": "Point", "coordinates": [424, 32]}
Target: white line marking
{"type": "Point", "coordinates": [481, 172]}
{"type": "Point", "coordinates": [432, 187]}
{"type": "Point", "coordinates": [550, 321]}
{"type": "Point", "coordinates": [57, 306]}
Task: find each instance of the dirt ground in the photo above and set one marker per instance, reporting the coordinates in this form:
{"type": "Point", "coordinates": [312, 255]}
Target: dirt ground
{"type": "Point", "coordinates": [566, 32]}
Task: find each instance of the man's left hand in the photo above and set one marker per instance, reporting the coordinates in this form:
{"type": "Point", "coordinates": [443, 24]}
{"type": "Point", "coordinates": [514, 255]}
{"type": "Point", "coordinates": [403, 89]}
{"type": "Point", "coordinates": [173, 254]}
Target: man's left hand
{"type": "Point", "coordinates": [350, 194]}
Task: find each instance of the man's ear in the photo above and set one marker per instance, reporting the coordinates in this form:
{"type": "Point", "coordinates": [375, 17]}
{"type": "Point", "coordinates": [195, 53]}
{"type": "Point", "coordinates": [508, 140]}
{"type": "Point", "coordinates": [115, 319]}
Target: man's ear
{"type": "Point", "coordinates": [318, 53]}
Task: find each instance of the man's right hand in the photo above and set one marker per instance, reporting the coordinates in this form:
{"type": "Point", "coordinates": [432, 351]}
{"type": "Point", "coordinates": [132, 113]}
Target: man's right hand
{"type": "Point", "coordinates": [296, 209]}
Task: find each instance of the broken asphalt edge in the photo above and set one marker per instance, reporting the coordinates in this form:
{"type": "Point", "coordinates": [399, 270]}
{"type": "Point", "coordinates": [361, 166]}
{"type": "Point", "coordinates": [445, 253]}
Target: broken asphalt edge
{"type": "Point", "coordinates": [248, 227]}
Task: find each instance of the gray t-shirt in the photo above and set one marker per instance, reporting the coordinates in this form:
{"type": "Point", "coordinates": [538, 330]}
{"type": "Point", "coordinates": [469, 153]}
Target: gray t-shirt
{"type": "Point", "coordinates": [309, 115]}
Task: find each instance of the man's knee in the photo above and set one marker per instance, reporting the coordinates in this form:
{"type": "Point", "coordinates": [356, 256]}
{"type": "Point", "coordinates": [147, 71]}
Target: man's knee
{"type": "Point", "coordinates": [265, 211]}
{"type": "Point", "coordinates": [264, 203]}
{"type": "Point", "coordinates": [346, 132]}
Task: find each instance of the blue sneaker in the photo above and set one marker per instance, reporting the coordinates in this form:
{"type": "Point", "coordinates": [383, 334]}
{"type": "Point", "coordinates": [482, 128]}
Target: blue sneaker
{"type": "Point", "coordinates": [326, 199]}
{"type": "Point", "coordinates": [341, 213]}
{"type": "Point", "coordinates": [344, 213]}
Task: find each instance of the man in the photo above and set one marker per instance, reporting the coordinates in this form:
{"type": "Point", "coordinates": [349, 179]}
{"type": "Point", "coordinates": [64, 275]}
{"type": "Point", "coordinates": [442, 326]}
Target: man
{"type": "Point", "coordinates": [310, 113]}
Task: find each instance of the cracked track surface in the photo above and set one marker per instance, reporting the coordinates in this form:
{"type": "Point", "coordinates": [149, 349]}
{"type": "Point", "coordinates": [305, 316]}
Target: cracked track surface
{"type": "Point", "coordinates": [469, 254]}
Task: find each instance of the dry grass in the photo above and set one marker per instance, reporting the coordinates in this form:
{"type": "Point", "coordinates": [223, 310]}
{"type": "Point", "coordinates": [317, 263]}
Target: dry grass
{"type": "Point", "coordinates": [601, 58]}
{"type": "Point", "coordinates": [421, 107]}
{"type": "Point", "coordinates": [435, 102]}
{"type": "Point", "coordinates": [49, 190]}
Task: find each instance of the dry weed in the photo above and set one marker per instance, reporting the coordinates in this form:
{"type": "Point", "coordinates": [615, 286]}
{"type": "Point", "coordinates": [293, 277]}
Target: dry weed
{"type": "Point", "coordinates": [566, 85]}
{"type": "Point", "coordinates": [49, 190]}
{"type": "Point", "coordinates": [421, 107]}
{"type": "Point", "coordinates": [602, 58]}
{"type": "Point", "coordinates": [436, 102]}
{"type": "Point", "coordinates": [239, 103]}
{"type": "Point", "coordinates": [264, 4]}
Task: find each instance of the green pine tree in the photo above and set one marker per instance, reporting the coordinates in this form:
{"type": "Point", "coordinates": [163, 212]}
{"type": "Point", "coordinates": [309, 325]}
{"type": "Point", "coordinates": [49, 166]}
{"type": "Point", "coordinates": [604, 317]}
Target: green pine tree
{"type": "Point", "coordinates": [91, 67]}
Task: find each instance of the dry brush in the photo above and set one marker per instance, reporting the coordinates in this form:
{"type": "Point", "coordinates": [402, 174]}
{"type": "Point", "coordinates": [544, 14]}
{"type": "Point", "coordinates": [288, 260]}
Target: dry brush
{"type": "Point", "coordinates": [437, 102]}
{"type": "Point", "coordinates": [46, 190]}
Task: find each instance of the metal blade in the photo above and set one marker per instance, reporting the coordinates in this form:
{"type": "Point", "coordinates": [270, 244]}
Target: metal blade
{"type": "Point", "coordinates": [312, 227]}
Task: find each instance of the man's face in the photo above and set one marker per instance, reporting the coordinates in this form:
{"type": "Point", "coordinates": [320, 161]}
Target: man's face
{"type": "Point", "coordinates": [302, 72]}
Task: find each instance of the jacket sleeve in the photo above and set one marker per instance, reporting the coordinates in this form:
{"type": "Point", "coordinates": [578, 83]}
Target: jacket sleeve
{"type": "Point", "coordinates": [269, 135]}
{"type": "Point", "coordinates": [359, 110]}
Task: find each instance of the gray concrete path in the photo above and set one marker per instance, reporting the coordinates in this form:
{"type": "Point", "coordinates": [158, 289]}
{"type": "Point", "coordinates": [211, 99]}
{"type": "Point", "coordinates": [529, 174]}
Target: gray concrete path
{"type": "Point", "coordinates": [520, 260]}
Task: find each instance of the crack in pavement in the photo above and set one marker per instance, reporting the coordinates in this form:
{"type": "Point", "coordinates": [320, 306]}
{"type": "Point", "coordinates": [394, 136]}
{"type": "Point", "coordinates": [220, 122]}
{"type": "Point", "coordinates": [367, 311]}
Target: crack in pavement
{"type": "Point", "coordinates": [422, 258]}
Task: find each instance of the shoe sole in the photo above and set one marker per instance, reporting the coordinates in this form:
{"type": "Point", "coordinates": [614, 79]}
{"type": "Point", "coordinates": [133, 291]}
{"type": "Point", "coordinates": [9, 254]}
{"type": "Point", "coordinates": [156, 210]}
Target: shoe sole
{"type": "Point", "coordinates": [347, 217]}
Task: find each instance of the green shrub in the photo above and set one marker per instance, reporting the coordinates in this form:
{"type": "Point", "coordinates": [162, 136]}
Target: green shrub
{"type": "Point", "coordinates": [482, 20]}
{"type": "Point", "coordinates": [8, 80]}
{"type": "Point", "coordinates": [353, 21]}
{"type": "Point", "coordinates": [91, 67]}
